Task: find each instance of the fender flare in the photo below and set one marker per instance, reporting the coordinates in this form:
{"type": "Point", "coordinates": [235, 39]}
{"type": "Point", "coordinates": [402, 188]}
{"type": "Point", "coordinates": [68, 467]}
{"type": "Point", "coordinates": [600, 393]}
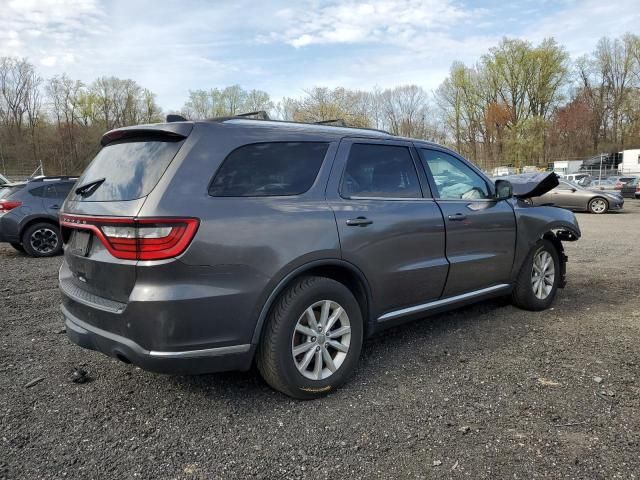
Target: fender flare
{"type": "Point", "coordinates": [300, 270]}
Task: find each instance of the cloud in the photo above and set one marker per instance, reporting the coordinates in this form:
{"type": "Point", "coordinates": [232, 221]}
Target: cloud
{"type": "Point", "coordinates": [45, 29]}
{"type": "Point", "coordinates": [394, 22]}
{"type": "Point", "coordinates": [283, 46]}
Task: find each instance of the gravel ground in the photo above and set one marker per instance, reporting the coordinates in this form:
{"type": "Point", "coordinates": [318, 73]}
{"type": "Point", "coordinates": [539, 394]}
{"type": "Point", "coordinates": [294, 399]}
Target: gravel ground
{"type": "Point", "coordinates": [488, 391]}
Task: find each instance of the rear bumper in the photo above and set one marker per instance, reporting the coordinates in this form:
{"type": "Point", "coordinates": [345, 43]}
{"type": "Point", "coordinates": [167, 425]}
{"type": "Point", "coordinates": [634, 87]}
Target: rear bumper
{"type": "Point", "coordinates": [189, 362]}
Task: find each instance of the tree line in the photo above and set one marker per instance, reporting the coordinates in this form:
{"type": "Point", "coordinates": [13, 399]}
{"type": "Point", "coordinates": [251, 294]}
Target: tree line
{"type": "Point", "coordinates": [519, 104]}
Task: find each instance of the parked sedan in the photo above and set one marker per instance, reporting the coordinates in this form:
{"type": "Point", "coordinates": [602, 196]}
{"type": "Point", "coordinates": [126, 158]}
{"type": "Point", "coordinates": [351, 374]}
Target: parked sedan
{"type": "Point", "coordinates": [574, 197]}
{"type": "Point", "coordinates": [631, 189]}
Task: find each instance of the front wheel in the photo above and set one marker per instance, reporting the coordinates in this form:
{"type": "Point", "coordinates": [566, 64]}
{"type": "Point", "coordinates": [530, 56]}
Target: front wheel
{"type": "Point", "coordinates": [312, 339]}
{"type": "Point", "coordinates": [598, 205]}
{"type": "Point", "coordinates": [537, 282]}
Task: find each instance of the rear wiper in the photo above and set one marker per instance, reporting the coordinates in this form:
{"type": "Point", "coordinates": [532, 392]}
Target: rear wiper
{"type": "Point", "coordinates": [88, 188]}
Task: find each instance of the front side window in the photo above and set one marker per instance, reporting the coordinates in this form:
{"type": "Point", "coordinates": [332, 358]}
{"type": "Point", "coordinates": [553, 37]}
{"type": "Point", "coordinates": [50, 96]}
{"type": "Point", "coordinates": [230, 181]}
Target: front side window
{"type": "Point", "coordinates": [453, 178]}
{"type": "Point", "coordinates": [380, 171]}
{"type": "Point", "coordinates": [269, 169]}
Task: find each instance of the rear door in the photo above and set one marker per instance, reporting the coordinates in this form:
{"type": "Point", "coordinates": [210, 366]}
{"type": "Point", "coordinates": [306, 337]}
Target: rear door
{"type": "Point", "coordinates": [481, 231]}
{"type": "Point", "coordinates": [388, 228]}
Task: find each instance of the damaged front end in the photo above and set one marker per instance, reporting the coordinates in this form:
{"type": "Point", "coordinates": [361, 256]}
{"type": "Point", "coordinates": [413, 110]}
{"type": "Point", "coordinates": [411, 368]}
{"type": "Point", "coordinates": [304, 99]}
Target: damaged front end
{"type": "Point", "coordinates": [535, 222]}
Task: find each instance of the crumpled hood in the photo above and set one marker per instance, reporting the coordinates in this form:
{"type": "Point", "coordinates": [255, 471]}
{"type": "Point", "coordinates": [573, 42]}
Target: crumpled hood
{"type": "Point", "coordinates": [528, 185]}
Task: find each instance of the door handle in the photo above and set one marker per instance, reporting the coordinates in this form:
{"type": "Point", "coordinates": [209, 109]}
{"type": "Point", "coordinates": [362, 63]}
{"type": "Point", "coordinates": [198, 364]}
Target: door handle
{"type": "Point", "coordinates": [457, 217]}
{"type": "Point", "coordinates": [359, 222]}
{"type": "Point", "coordinates": [55, 207]}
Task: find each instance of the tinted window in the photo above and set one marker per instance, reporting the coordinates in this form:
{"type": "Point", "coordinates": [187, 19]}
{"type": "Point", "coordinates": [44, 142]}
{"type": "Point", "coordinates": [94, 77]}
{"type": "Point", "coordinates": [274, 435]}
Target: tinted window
{"type": "Point", "coordinates": [60, 190]}
{"type": "Point", "coordinates": [38, 192]}
{"type": "Point", "coordinates": [268, 169]}
{"type": "Point", "coordinates": [453, 178]}
{"type": "Point", "coordinates": [380, 171]}
{"type": "Point", "coordinates": [131, 169]}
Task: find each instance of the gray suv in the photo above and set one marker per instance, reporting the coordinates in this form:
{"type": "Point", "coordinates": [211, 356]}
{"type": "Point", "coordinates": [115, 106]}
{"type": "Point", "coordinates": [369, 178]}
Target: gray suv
{"type": "Point", "coordinates": [195, 247]}
{"type": "Point", "coordinates": [29, 214]}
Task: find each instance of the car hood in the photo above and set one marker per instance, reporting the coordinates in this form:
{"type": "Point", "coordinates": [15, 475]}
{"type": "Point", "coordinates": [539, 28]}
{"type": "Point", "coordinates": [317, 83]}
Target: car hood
{"type": "Point", "coordinates": [615, 195]}
{"type": "Point", "coordinates": [529, 185]}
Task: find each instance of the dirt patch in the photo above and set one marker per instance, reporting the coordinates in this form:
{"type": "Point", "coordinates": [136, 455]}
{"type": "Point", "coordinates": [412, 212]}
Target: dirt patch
{"type": "Point", "coordinates": [488, 391]}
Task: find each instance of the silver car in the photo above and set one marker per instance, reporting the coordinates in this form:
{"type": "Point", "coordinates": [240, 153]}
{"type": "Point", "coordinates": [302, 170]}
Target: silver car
{"type": "Point", "coordinates": [574, 197]}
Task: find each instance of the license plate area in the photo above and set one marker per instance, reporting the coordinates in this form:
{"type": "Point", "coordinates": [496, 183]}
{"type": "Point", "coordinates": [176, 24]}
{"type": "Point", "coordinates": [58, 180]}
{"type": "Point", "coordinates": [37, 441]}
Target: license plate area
{"type": "Point", "coordinates": [80, 242]}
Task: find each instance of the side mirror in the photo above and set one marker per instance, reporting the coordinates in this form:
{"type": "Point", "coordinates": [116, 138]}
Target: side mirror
{"type": "Point", "coordinates": [504, 189]}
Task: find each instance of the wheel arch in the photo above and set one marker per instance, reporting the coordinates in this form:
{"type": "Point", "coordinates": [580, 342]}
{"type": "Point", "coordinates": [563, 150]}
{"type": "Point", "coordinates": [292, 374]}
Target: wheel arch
{"type": "Point", "coordinates": [33, 220]}
{"type": "Point", "coordinates": [339, 270]}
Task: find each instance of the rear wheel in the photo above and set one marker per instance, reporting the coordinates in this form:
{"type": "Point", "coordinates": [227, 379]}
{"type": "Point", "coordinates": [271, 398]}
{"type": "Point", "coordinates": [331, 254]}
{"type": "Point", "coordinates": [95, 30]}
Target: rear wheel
{"type": "Point", "coordinates": [18, 247]}
{"type": "Point", "coordinates": [537, 282]}
{"type": "Point", "coordinates": [598, 205]}
{"type": "Point", "coordinates": [312, 339]}
{"type": "Point", "coordinates": [42, 240]}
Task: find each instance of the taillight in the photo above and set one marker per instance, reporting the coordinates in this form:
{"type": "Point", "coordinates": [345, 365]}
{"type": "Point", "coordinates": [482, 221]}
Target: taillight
{"type": "Point", "coordinates": [138, 238]}
{"type": "Point", "coordinates": [7, 205]}
{"type": "Point", "coordinates": [618, 186]}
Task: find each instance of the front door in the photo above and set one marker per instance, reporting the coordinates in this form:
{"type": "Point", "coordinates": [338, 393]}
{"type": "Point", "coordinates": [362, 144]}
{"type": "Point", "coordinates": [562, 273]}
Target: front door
{"type": "Point", "coordinates": [388, 229]}
{"type": "Point", "coordinates": [481, 231]}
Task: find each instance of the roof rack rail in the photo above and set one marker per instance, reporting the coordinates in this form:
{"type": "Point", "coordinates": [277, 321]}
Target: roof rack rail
{"type": "Point", "coordinates": [259, 115]}
{"type": "Point", "coordinates": [338, 122]}
{"type": "Point", "coordinates": [53, 177]}
{"type": "Point", "coordinates": [174, 117]}
{"type": "Point", "coordinates": [262, 115]}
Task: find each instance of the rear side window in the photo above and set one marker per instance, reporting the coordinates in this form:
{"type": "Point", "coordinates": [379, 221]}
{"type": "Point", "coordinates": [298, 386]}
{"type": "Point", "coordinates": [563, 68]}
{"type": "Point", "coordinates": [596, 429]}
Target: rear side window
{"type": "Point", "coordinates": [59, 190]}
{"type": "Point", "coordinates": [130, 169]}
{"type": "Point", "coordinates": [380, 171]}
{"type": "Point", "coordinates": [269, 169]}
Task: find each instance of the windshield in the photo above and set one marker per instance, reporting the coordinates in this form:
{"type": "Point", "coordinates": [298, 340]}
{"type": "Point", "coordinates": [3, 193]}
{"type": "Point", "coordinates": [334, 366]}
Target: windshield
{"type": "Point", "coordinates": [127, 170]}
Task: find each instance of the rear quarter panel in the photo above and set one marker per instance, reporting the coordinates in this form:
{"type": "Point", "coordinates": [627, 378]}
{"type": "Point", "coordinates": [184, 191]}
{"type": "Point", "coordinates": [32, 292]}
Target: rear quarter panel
{"type": "Point", "coordinates": [245, 244]}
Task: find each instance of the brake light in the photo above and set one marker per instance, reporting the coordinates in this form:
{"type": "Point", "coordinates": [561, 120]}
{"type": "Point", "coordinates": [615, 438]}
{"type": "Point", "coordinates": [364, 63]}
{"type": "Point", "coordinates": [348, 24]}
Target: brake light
{"type": "Point", "coordinates": [7, 205]}
{"type": "Point", "coordinates": [618, 186]}
{"type": "Point", "coordinates": [138, 238]}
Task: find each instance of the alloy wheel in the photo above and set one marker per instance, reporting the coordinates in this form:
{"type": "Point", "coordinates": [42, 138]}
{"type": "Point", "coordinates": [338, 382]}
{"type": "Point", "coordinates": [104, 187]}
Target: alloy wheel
{"type": "Point", "coordinates": [598, 205]}
{"type": "Point", "coordinates": [44, 240]}
{"type": "Point", "coordinates": [321, 339]}
{"type": "Point", "coordinates": [543, 274]}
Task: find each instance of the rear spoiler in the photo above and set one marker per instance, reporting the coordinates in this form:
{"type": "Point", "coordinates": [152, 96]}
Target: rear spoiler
{"type": "Point", "coordinates": [176, 129]}
{"type": "Point", "coordinates": [528, 185]}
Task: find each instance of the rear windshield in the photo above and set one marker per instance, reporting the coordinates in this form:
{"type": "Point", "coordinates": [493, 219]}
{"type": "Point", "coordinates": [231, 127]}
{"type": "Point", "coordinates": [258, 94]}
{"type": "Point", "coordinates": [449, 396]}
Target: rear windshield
{"type": "Point", "coordinates": [269, 169]}
{"type": "Point", "coordinates": [6, 192]}
{"type": "Point", "coordinates": [130, 169]}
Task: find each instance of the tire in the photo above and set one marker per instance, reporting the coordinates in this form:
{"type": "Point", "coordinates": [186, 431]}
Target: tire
{"type": "Point", "coordinates": [598, 205]}
{"type": "Point", "coordinates": [42, 240]}
{"type": "Point", "coordinates": [18, 247]}
{"type": "Point", "coordinates": [527, 293]}
{"type": "Point", "coordinates": [282, 333]}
